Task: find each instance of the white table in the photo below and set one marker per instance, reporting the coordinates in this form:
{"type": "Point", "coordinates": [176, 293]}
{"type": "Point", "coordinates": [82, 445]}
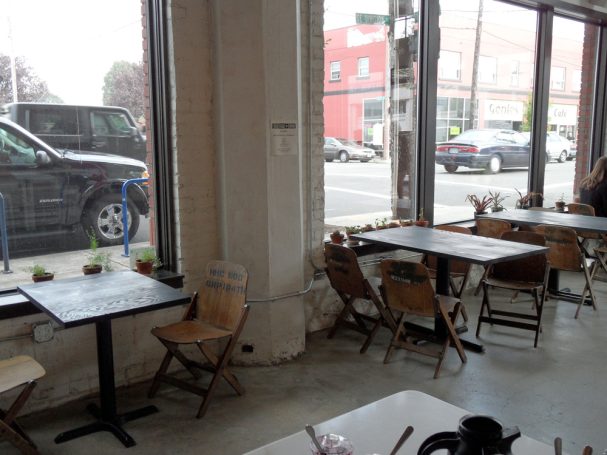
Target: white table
{"type": "Point", "coordinates": [376, 427]}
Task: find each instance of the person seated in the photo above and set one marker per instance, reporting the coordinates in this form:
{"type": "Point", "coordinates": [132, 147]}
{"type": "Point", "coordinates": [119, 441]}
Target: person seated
{"type": "Point", "coordinates": [593, 188]}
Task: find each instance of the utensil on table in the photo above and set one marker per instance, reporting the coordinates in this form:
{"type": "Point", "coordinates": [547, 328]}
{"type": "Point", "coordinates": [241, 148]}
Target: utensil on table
{"type": "Point", "coordinates": [408, 431]}
{"type": "Point", "coordinates": [312, 433]}
{"type": "Point", "coordinates": [558, 446]}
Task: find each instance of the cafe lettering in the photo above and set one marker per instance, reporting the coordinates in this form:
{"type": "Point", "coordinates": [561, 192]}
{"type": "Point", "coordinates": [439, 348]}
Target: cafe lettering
{"type": "Point", "coordinates": [504, 110]}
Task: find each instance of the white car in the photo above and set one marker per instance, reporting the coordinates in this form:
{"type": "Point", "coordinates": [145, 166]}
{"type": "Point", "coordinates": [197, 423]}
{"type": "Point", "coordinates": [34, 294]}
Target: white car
{"type": "Point", "coordinates": [557, 147]}
{"type": "Point", "coordinates": [345, 150]}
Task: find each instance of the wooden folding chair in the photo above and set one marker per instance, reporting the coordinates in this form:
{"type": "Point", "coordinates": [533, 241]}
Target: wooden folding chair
{"type": "Point", "coordinates": [529, 274]}
{"type": "Point", "coordinates": [348, 281]}
{"type": "Point", "coordinates": [565, 254]}
{"type": "Point", "coordinates": [407, 289]}
{"type": "Point", "coordinates": [585, 236]}
{"type": "Point", "coordinates": [494, 229]}
{"type": "Point", "coordinates": [18, 371]}
{"type": "Point", "coordinates": [217, 312]}
{"type": "Point", "coordinates": [457, 269]}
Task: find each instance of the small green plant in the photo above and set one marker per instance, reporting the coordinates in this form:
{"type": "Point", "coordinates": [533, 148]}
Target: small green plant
{"type": "Point", "coordinates": [95, 257]}
{"type": "Point", "coordinates": [496, 200]}
{"type": "Point", "coordinates": [149, 255]}
{"type": "Point", "coordinates": [37, 270]}
{"type": "Point", "coordinates": [381, 223]}
{"type": "Point", "coordinates": [525, 200]}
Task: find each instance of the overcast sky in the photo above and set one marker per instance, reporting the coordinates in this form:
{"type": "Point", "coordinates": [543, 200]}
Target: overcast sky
{"type": "Point", "coordinates": [71, 44]}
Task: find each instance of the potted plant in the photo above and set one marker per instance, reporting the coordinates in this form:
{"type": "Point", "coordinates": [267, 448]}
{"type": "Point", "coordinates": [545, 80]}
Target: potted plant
{"type": "Point", "coordinates": [394, 224]}
{"type": "Point", "coordinates": [39, 273]}
{"type": "Point", "coordinates": [98, 261]}
{"type": "Point", "coordinates": [147, 261]}
{"type": "Point", "coordinates": [367, 228]}
{"type": "Point", "coordinates": [337, 237]}
{"type": "Point", "coordinates": [496, 201]}
{"type": "Point", "coordinates": [480, 205]}
{"type": "Point", "coordinates": [351, 230]}
{"type": "Point", "coordinates": [560, 203]}
{"type": "Point", "coordinates": [524, 201]}
{"type": "Point", "coordinates": [421, 221]}
{"type": "Point", "coordinates": [381, 223]}
{"type": "Point", "coordinates": [405, 223]}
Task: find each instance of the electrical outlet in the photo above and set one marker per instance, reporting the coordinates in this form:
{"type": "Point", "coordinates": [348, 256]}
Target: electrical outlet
{"type": "Point", "coordinates": [43, 332]}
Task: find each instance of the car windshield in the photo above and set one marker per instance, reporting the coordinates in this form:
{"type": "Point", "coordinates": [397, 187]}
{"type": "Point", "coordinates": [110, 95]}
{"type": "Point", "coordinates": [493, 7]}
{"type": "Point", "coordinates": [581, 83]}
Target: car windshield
{"type": "Point", "coordinates": [347, 142]}
{"type": "Point", "coordinates": [475, 135]}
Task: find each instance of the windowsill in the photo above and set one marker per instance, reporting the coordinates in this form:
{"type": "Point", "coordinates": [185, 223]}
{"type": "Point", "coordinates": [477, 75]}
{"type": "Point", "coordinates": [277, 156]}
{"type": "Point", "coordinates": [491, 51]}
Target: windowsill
{"type": "Point", "coordinates": [334, 80]}
{"type": "Point", "coordinates": [362, 78]}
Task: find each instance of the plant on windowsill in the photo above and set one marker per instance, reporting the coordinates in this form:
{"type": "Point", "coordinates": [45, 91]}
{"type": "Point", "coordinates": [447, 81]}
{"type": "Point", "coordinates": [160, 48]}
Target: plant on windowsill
{"type": "Point", "coordinates": [381, 223]}
{"type": "Point", "coordinates": [97, 261]}
{"type": "Point", "coordinates": [39, 273]}
{"type": "Point", "coordinates": [147, 261]}
{"type": "Point", "coordinates": [337, 237]}
{"type": "Point", "coordinates": [496, 201]}
{"type": "Point", "coordinates": [525, 201]}
{"type": "Point", "coordinates": [351, 230]}
{"type": "Point", "coordinates": [559, 205]}
{"type": "Point", "coordinates": [367, 228]}
{"type": "Point", "coordinates": [421, 221]}
{"type": "Point", "coordinates": [480, 205]}
{"type": "Point", "coordinates": [394, 224]}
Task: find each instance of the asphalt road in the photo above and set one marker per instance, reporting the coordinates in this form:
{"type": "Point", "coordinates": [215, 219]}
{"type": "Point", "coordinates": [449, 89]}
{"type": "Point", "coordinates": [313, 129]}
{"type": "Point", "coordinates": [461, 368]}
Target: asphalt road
{"type": "Point", "coordinates": [357, 193]}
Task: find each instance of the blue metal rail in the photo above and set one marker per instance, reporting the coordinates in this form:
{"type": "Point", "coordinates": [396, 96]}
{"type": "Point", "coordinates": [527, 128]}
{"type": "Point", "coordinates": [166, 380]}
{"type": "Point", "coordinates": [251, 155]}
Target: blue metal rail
{"type": "Point", "coordinates": [4, 235]}
{"type": "Point", "coordinates": [125, 213]}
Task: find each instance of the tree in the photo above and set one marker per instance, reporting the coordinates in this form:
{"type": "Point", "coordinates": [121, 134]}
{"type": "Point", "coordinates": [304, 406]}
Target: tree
{"type": "Point", "coordinates": [29, 86]}
{"type": "Point", "coordinates": [123, 86]}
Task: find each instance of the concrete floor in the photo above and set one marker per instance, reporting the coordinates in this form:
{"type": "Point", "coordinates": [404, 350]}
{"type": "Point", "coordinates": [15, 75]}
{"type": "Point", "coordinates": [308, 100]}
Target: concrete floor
{"type": "Point", "coordinates": [557, 389]}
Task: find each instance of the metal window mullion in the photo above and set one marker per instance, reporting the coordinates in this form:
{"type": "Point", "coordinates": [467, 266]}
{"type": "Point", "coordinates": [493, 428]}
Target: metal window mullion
{"type": "Point", "coordinates": [599, 119]}
{"type": "Point", "coordinates": [541, 96]}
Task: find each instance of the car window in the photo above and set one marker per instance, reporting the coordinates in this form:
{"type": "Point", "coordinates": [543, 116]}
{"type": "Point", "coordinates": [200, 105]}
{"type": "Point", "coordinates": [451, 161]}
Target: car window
{"type": "Point", "coordinates": [111, 124]}
{"type": "Point", "coordinates": [14, 150]}
{"type": "Point", "coordinates": [475, 135]}
{"type": "Point", "coordinates": [505, 136]}
{"type": "Point", "coordinates": [51, 121]}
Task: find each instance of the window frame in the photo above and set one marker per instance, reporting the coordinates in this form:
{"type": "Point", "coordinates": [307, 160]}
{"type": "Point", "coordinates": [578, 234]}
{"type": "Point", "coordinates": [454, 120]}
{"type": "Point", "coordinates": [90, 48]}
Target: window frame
{"type": "Point", "coordinates": [333, 72]}
{"type": "Point", "coordinates": [360, 74]}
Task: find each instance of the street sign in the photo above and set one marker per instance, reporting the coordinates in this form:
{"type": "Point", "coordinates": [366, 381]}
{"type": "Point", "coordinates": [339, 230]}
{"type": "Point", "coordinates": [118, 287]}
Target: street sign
{"type": "Point", "coordinates": [364, 18]}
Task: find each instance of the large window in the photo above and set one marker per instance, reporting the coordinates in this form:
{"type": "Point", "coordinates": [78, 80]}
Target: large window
{"type": "Point", "coordinates": [61, 174]}
{"type": "Point", "coordinates": [450, 65]}
{"type": "Point", "coordinates": [480, 122]}
{"type": "Point", "coordinates": [363, 67]}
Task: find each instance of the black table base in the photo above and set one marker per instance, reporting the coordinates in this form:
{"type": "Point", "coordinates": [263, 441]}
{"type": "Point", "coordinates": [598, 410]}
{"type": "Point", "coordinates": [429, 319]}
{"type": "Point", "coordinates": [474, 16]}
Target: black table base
{"type": "Point", "coordinates": [114, 426]}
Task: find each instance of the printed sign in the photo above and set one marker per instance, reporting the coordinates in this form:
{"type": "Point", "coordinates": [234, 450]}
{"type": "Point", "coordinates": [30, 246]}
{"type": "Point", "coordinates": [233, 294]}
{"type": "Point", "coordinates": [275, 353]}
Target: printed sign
{"type": "Point", "coordinates": [284, 139]}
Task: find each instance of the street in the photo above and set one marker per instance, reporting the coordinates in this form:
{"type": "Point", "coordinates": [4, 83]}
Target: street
{"type": "Point", "coordinates": [358, 193]}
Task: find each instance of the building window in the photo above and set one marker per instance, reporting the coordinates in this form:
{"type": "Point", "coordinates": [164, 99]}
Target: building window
{"type": "Point", "coordinates": [576, 82]}
{"type": "Point", "coordinates": [557, 78]}
{"type": "Point", "coordinates": [363, 67]}
{"type": "Point", "coordinates": [515, 69]}
{"type": "Point", "coordinates": [487, 70]}
{"type": "Point", "coordinates": [335, 71]}
{"type": "Point", "coordinates": [449, 66]}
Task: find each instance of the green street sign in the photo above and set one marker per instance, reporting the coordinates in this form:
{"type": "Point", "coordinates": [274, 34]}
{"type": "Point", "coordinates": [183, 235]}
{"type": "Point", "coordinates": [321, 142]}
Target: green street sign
{"type": "Point", "coordinates": [363, 18]}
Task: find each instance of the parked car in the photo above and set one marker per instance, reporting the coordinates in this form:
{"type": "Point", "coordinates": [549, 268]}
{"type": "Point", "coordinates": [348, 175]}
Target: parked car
{"type": "Point", "coordinates": [558, 148]}
{"type": "Point", "coordinates": [489, 149]}
{"type": "Point", "coordinates": [345, 150]}
{"type": "Point", "coordinates": [48, 189]}
{"type": "Point", "coordinates": [108, 129]}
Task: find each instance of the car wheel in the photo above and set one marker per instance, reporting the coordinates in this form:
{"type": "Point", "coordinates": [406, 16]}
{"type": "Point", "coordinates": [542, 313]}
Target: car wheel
{"type": "Point", "coordinates": [343, 156]}
{"type": "Point", "coordinates": [104, 217]}
{"type": "Point", "coordinates": [451, 168]}
{"type": "Point", "coordinates": [495, 164]}
{"type": "Point", "coordinates": [563, 156]}
{"type": "Point", "coordinates": [364, 161]}
{"type": "Point", "coordinates": [329, 160]}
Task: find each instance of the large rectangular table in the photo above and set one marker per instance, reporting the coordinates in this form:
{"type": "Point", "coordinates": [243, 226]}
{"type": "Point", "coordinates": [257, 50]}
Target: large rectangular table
{"type": "Point", "coordinates": [446, 246]}
{"type": "Point", "coordinates": [98, 299]}
{"type": "Point", "coordinates": [376, 427]}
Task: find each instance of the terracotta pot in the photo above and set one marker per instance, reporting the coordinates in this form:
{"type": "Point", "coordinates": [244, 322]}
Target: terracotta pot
{"type": "Point", "coordinates": [91, 269]}
{"type": "Point", "coordinates": [46, 277]}
{"type": "Point", "coordinates": [422, 223]}
{"type": "Point", "coordinates": [145, 268]}
{"type": "Point", "coordinates": [560, 206]}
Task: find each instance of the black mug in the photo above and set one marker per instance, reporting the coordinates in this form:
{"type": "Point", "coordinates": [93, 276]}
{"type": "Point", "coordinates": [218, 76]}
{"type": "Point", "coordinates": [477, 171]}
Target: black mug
{"type": "Point", "coordinates": [476, 435]}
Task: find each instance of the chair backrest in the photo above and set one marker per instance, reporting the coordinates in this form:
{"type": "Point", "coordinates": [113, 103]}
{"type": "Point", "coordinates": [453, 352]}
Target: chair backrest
{"type": "Point", "coordinates": [580, 209]}
{"type": "Point", "coordinates": [407, 287]}
{"type": "Point", "coordinates": [491, 228]}
{"type": "Point", "coordinates": [529, 269]}
{"type": "Point", "coordinates": [565, 252]}
{"type": "Point", "coordinates": [458, 267]}
{"type": "Point", "coordinates": [222, 296]}
{"type": "Point", "coordinates": [343, 271]}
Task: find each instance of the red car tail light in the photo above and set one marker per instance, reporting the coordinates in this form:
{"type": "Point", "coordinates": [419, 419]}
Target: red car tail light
{"type": "Point", "coordinates": [442, 148]}
{"type": "Point", "coordinates": [469, 149]}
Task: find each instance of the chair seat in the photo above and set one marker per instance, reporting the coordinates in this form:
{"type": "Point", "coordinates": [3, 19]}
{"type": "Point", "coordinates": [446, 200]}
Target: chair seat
{"type": "Point", "coordinates": [448, 302]}
{"type": "Point", "coordinates": [188, 332]}
{"type": "Point", "coordinates": [19, 370]}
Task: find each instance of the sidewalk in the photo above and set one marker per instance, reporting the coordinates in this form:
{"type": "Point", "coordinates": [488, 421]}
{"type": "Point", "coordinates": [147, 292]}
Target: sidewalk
{"type": "Point", "coordinates": [64, 265]}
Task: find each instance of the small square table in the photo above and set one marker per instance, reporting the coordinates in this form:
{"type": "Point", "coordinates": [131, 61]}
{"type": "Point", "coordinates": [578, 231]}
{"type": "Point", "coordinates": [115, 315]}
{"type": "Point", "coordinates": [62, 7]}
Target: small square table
{"type": "Point", "coordinates": [98, 299]}
{"type": "Point", "coordinates": [376, 427]}
{"type": "Point", "coordinates": [446, 245]}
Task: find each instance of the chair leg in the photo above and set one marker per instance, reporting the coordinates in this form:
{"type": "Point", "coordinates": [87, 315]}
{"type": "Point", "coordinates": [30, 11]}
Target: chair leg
{"type": "Point", "coordinates": [18, 441]}
{"type": "Point", "coordinates": [450, 324]}
{"type": "Point", "coordinates": [395, 338]}
{"type": "Point", "coordinates": [10, 430]}
{"type": "Point", "coordinates": [484, 304]}
{"type": "Point", "coordinates": [164, 366]}
{"type": "Point", "coordinates": [227, 374]}
{"type": "Point", "coordinates": [587, 288]}
{"type": "Point", "coordinates": [480, 283]}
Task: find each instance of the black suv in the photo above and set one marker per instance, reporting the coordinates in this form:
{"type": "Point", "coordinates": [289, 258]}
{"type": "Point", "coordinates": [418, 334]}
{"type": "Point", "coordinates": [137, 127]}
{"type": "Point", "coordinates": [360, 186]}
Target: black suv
{"type": "Point", "coordinates": [47, 189]}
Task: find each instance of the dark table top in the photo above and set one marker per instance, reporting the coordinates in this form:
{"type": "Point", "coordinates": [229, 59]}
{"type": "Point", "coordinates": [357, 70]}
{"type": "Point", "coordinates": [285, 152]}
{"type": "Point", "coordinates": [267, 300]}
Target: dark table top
{"type": "Point", "coordinates": [537, 217]}
{"type": "Point", "coordinates": [452, 245]}
{"type": "Point", "coordinates": [86, 299]}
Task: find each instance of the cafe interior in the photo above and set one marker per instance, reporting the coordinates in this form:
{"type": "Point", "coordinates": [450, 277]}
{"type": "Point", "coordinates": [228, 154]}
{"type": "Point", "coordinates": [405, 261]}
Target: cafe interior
{"type": "Point", "coordinates": [295, 327]}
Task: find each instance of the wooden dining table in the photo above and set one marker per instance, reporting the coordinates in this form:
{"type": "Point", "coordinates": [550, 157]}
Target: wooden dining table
{"type": "Point", "coordinates": [98, 299]}
{"type": "Point", "coordinates": [447, 246]}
